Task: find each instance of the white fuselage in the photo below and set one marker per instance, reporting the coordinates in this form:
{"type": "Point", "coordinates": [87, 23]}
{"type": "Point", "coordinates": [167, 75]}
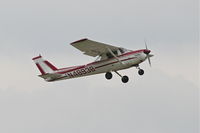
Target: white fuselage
{"type": "Point", "coordinates": [127, 60]}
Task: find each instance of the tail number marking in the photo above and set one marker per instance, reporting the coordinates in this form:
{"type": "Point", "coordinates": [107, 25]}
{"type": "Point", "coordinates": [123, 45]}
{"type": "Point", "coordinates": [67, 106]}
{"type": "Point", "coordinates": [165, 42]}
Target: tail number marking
{"type": "Point", "coordinates": [80, 72]}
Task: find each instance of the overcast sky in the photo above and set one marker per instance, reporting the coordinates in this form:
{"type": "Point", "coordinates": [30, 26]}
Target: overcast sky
{"type": "Point", "coordinates": [163, 100]}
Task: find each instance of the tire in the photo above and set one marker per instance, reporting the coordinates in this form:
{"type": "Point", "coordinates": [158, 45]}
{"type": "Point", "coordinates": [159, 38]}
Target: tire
{"type": "Point", "coordinates": [140, 71]}
{"type": "Point", "coordinates": [108, 75]}
{"type": "Point", "coordinates": [125, 79]}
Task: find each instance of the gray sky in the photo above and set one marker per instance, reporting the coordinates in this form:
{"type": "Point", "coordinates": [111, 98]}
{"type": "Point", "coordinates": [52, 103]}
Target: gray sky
{"type": "Point", "coordinates": [164, 100]}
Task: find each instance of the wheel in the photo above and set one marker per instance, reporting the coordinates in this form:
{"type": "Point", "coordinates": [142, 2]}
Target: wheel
{"type": "Point", "coordinates": [125, 79]}
{"type": "Point", "coordinates": [108, 75]}
{"type": "Point", "coordinates": [140, 72]}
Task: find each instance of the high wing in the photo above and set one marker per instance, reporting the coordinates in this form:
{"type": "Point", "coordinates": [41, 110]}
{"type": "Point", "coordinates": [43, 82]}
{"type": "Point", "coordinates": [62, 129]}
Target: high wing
{"type": "Point", "coordinates": [93, 48]}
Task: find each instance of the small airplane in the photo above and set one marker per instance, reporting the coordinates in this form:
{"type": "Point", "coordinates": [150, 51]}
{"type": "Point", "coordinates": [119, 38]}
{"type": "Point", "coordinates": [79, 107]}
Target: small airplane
{"type": "Point", "coordinates": [109, 59]}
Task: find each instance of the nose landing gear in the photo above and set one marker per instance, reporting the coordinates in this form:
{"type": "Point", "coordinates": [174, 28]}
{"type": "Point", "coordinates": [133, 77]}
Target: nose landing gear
{"type": "Point", "coordinates": [140, 71]}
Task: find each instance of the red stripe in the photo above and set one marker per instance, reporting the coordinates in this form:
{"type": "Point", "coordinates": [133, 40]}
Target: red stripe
{"type": "Point", "coordinates": [114, 62]}
{"type": "Point", "coordinates": [95, 67]}
{"type": "Point", "coordinates": [72, 69]}
{"type": "Point", "coordinates": [80, 40]}
{"type": "Point", "coordinates": [37, 57]}
{"type": "Point", "coordinates": [40, 68]}
{"type": "Point", "coordinates": [129, 53]}
{"type": "Point", "coordinates": [50, 65]}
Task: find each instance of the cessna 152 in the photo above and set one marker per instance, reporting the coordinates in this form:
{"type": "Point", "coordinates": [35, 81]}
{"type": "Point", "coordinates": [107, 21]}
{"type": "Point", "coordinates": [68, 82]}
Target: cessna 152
{"type": "Point", "coordinates": [110, 59]}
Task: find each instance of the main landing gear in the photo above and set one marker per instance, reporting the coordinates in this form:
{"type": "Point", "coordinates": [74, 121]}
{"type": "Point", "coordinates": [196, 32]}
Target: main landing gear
{"type": "Point", "coordinates": [108, 75]}
{"type": "Point", "coordinates": [123, 78]}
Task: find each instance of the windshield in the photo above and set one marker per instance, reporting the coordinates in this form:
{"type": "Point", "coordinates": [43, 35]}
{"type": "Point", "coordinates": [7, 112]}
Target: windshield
{"type": "Point", "coordinates": [123, 50]}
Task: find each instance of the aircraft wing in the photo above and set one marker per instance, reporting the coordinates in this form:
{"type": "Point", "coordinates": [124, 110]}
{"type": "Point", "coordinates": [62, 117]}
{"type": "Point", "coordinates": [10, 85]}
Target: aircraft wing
{"type": "Point", "coordinates": [93, 48]}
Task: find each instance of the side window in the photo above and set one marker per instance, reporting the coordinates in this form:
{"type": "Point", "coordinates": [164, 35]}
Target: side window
{"type": "Point", "coordinates": [109, 55]}
{"type": "Point", "coordinates": [115, 53]}
{"type": "Point", "coordinates": [121, 50]}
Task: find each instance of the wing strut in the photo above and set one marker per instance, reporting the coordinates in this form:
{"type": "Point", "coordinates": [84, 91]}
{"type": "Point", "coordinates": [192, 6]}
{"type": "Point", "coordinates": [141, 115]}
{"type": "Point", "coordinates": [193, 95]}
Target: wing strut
{"type": "Point", "coordinates": [114, 55]}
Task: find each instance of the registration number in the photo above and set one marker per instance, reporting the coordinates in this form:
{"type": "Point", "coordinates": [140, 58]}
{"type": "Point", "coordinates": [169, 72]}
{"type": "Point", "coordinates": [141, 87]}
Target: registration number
{"type": "Point", "coordinates": [81, 71]}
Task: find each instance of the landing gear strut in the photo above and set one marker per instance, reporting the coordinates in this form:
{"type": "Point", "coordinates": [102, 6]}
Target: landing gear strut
{"type": "Point", "coordinates": [123, 78]}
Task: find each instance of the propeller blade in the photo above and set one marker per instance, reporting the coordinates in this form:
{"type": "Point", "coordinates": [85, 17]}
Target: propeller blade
{"type": "Point", "coordinates": [148, 55]}
{"type": "Point", "coordinates": [149, 61]}
{"type": "Point", "coordinates": [151, 55]}
{"type": "Point", "coordinates": [145, 42]}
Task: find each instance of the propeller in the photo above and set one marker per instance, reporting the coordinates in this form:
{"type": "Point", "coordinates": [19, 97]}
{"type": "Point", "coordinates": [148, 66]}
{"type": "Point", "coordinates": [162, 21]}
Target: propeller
{"type": "Point", "coordinates": [147, 51]}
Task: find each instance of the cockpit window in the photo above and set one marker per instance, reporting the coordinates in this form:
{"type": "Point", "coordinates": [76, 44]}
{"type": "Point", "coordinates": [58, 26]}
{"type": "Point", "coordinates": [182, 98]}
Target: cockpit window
{"type": "Point", "coordinates": [123, 50]}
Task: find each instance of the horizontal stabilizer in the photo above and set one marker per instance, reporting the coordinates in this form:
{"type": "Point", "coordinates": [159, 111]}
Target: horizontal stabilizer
{"type": "Point", "coordinates": [50, 76]}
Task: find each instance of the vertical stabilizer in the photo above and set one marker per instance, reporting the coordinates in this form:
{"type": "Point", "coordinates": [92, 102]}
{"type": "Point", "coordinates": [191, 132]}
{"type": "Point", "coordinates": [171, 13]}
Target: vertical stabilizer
{"type": "Point", "coordinates": [43, 65]}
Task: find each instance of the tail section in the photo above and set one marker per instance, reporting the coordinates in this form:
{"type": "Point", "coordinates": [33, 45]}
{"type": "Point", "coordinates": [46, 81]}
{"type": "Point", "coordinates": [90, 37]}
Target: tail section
{"type": "Point", "coordinates": [44, 66]}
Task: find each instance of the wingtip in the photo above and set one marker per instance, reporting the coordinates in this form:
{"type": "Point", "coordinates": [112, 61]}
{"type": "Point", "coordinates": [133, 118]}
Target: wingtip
{"type": "Point", "coordinates": [81, 40]}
